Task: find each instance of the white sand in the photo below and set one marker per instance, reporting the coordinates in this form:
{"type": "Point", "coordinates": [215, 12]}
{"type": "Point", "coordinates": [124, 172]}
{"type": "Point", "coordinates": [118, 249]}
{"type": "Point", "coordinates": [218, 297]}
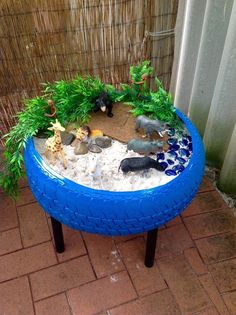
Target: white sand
{"type": "Point", "coordinates": [108, 161]}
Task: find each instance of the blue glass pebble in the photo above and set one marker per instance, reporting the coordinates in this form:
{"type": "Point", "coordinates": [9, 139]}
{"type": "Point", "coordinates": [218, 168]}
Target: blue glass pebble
{"type": "Point", "coordinates": [184, 152]}
{"type": "Point", "coordinates": [170, 173]}
{"type": "Point", "coordinates": [172, 141]}
{"type": "Point", "coordinates": [181, 160]}
{"type": "Point", "coordinates": [171, 132]}
{"type": "Point", "coordinates": [174, 147]}
{"type": "Point", "coordinates": [172, 153]}
{"type": "Point", "coordinates": [170, 162]}
{"type": "Point", "coordinates": [190, 146]}
{"type": "Point", "coordinates": [164, 165]}
{"type": "Point", "coordinates": [160, 156]}
{"type": "Point", "coordinates": [178, 168]}
{"type": "Point", "coordinates": [183, 142]}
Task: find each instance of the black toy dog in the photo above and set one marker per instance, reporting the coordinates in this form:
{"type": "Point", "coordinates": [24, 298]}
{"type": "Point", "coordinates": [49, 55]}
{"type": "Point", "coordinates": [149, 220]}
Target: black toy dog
{"type": "Point", "coordinates": [139, 164]}
{"type": "Point", "coordinates": [103, 103]}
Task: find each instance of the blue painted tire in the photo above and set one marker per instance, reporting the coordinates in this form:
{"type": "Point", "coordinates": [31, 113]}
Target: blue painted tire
{"type": "Point", "coordinates": [114, 213]}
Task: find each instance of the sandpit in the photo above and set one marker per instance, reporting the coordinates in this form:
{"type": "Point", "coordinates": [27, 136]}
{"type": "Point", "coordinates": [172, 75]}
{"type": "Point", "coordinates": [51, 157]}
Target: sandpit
{"type": "Point", "coordinates": [108, 161]}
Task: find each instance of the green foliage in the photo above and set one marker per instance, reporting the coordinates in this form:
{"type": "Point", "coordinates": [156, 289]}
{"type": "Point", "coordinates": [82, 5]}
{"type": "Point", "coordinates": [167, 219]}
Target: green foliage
{"type": "Point", "coordinates": [138, 88]}
{"type": "Point", "coordinates": [29, 122]}
{"type": "Point", "coordinates": [74, 99]}
{"type": "Point", "coordinates": [158, 106]}
{"type": "Point", "coordinates": [141, 71]}
{"type": "Point", "coordinates": [155, 104]}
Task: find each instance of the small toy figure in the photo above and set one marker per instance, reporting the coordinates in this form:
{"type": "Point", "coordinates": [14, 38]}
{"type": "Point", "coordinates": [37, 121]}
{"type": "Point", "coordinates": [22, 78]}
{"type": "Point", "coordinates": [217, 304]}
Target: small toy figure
{"type": "Point", "coordinates": [139, 164]}
{"type": "Point", "coordinates": [83, 133]}
{"type": "Point", "coordinates": [94, 171]}
{"type": "Point", "coordinates": [96, 133]}
{"type": "Point", "coordinates": [54, 145]}
{"type": "Point", "coordinates": [145, 147]}
{"type": "Point", "coordinates": [103, 103]}
{"type": "Point", "coordinates": [52, 109]}
{"type": "Point", "coordinates": [149, 125]}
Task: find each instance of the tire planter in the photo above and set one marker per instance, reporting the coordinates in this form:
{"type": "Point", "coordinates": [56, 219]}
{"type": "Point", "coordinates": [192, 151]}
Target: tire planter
{"type": "Point", "coordinates": [114, 213]}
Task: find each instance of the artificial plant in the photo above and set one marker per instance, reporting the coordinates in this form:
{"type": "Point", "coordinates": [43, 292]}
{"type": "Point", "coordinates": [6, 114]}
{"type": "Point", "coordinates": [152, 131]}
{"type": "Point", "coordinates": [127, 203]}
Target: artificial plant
{"type": "Point", "coordinates": [156, 104]}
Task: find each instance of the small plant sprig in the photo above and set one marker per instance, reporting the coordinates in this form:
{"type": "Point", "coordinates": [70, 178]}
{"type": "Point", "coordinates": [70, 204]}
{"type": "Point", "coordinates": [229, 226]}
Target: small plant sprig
{"type": "Point", "coordinates": [29, 122]}
{"type": "Point", "coordinates": [138, 88]}
{"type": "Point", "coordinates": [158, 106]}
{"type": "Point", "coordinates": [155, 104]}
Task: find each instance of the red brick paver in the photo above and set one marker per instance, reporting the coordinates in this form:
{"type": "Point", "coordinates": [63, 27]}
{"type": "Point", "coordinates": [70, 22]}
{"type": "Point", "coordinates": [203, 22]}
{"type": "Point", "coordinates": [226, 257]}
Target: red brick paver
{"type": "Point", "coordinates": [217, 248]}
{"type": "Point", "coordinates": [230, 300]}
{"type": "Point", "coordinates": [212, 223]}
{"type": "Point", "coordinates": [26, 261]}
{"type": "Point", "coordinates": [33, 225]}
{"type": "Point", "coordinates": [161, 303]}
{"type": "Point", "coordinates": [204, 202]}
{"type": "Point", "coordinates": [15, 297]}
{"type": "Point", "coordinates": [102, 294]}
{"type": "Point", "coordinates": [184, 284]}
{"type": "Point", "coordinates": [8, 215]}
{"type": "Point", "coordinates": [145, 280]}
{"type": "Point", "coordinates": [61, 277]}
{"type": "Point", "coordinates": [173, 240]}
{"type": "Point", "coordinates": [193, 274]}
{"type": "Point", "coordinates": [10, 241]}
{"type": "Point", "coordinates": [103, 254]}
{"type": "Point", "coordinates": [56, 305]}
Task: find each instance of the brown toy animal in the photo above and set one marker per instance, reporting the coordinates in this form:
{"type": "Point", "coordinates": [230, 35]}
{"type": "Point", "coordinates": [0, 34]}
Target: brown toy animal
{"type": "Point", "coordinates": [83, 133]}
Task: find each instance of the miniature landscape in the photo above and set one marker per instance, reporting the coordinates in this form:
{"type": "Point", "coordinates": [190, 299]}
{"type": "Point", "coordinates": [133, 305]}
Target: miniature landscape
{"type": "Point", "coordinates": [86, 142]}
{"type": "Point", "coordinates": [103, 161]}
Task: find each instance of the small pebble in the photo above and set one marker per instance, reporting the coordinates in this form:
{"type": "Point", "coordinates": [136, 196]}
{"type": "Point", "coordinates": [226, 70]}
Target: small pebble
{"type": "Point", "coordinates": [67, 138]}
{"type": "Point", "coordinates": [103, 142]}
{"type": "Point", "coordinates": [95, 148]}
{"type": "Point", "coordinates": [81, 149]}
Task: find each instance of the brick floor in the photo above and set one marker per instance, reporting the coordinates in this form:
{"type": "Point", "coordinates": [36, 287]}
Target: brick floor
{"type": "Point", "coordinates": [194, 271]}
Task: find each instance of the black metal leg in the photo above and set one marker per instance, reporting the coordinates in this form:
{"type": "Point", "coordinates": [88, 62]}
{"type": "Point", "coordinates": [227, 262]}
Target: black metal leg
{"type": "Point", "coordinates": [58, 235]}
{"type": "Point", "coordinates": [150, 247]}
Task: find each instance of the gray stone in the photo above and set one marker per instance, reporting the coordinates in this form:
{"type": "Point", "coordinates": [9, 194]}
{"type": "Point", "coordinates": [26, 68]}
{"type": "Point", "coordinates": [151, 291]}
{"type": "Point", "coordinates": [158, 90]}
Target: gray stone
{"type": "Point", "coordinates": [95, 148]}
{"type": "Point", "coordinates": [103, 142]}
{"type": "Point", "coordinates": [81, 149]}
{"type": "Point", "coordinates": [67, 138]}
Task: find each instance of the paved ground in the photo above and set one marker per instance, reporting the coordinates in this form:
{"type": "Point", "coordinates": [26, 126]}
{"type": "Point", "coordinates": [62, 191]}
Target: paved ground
{"type": "Point", "coordinates": [194, 273]}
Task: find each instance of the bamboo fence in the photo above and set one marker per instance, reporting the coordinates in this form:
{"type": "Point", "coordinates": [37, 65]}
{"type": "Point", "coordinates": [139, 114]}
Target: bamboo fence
{"type": "Point", "coordinates": [45, 41]}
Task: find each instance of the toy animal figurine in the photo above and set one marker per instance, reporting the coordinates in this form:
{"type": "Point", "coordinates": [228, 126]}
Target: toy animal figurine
{"type": "Point", "coordinates": [103, 103]}
{"type": "Point", "coordinates": [83, 133]}
{"type": "Point", "coordinates": [94, 171]}
{"type": "Point", "coordinates": [139, 164]}
{"type": "Point", "coordinates": [54, 145]}
{"type": "Point", "coordinates": [149, 125]}
{"type": "Point", "coordinates": [52, 109]}
{"type": "Point", "coordinates": [145, 147]}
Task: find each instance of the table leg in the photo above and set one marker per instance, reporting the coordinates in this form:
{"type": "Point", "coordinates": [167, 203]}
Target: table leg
{"type": "Point", "coordinates": [150, 247]}
{"type": "Point", "coordinates": [58, 235]}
